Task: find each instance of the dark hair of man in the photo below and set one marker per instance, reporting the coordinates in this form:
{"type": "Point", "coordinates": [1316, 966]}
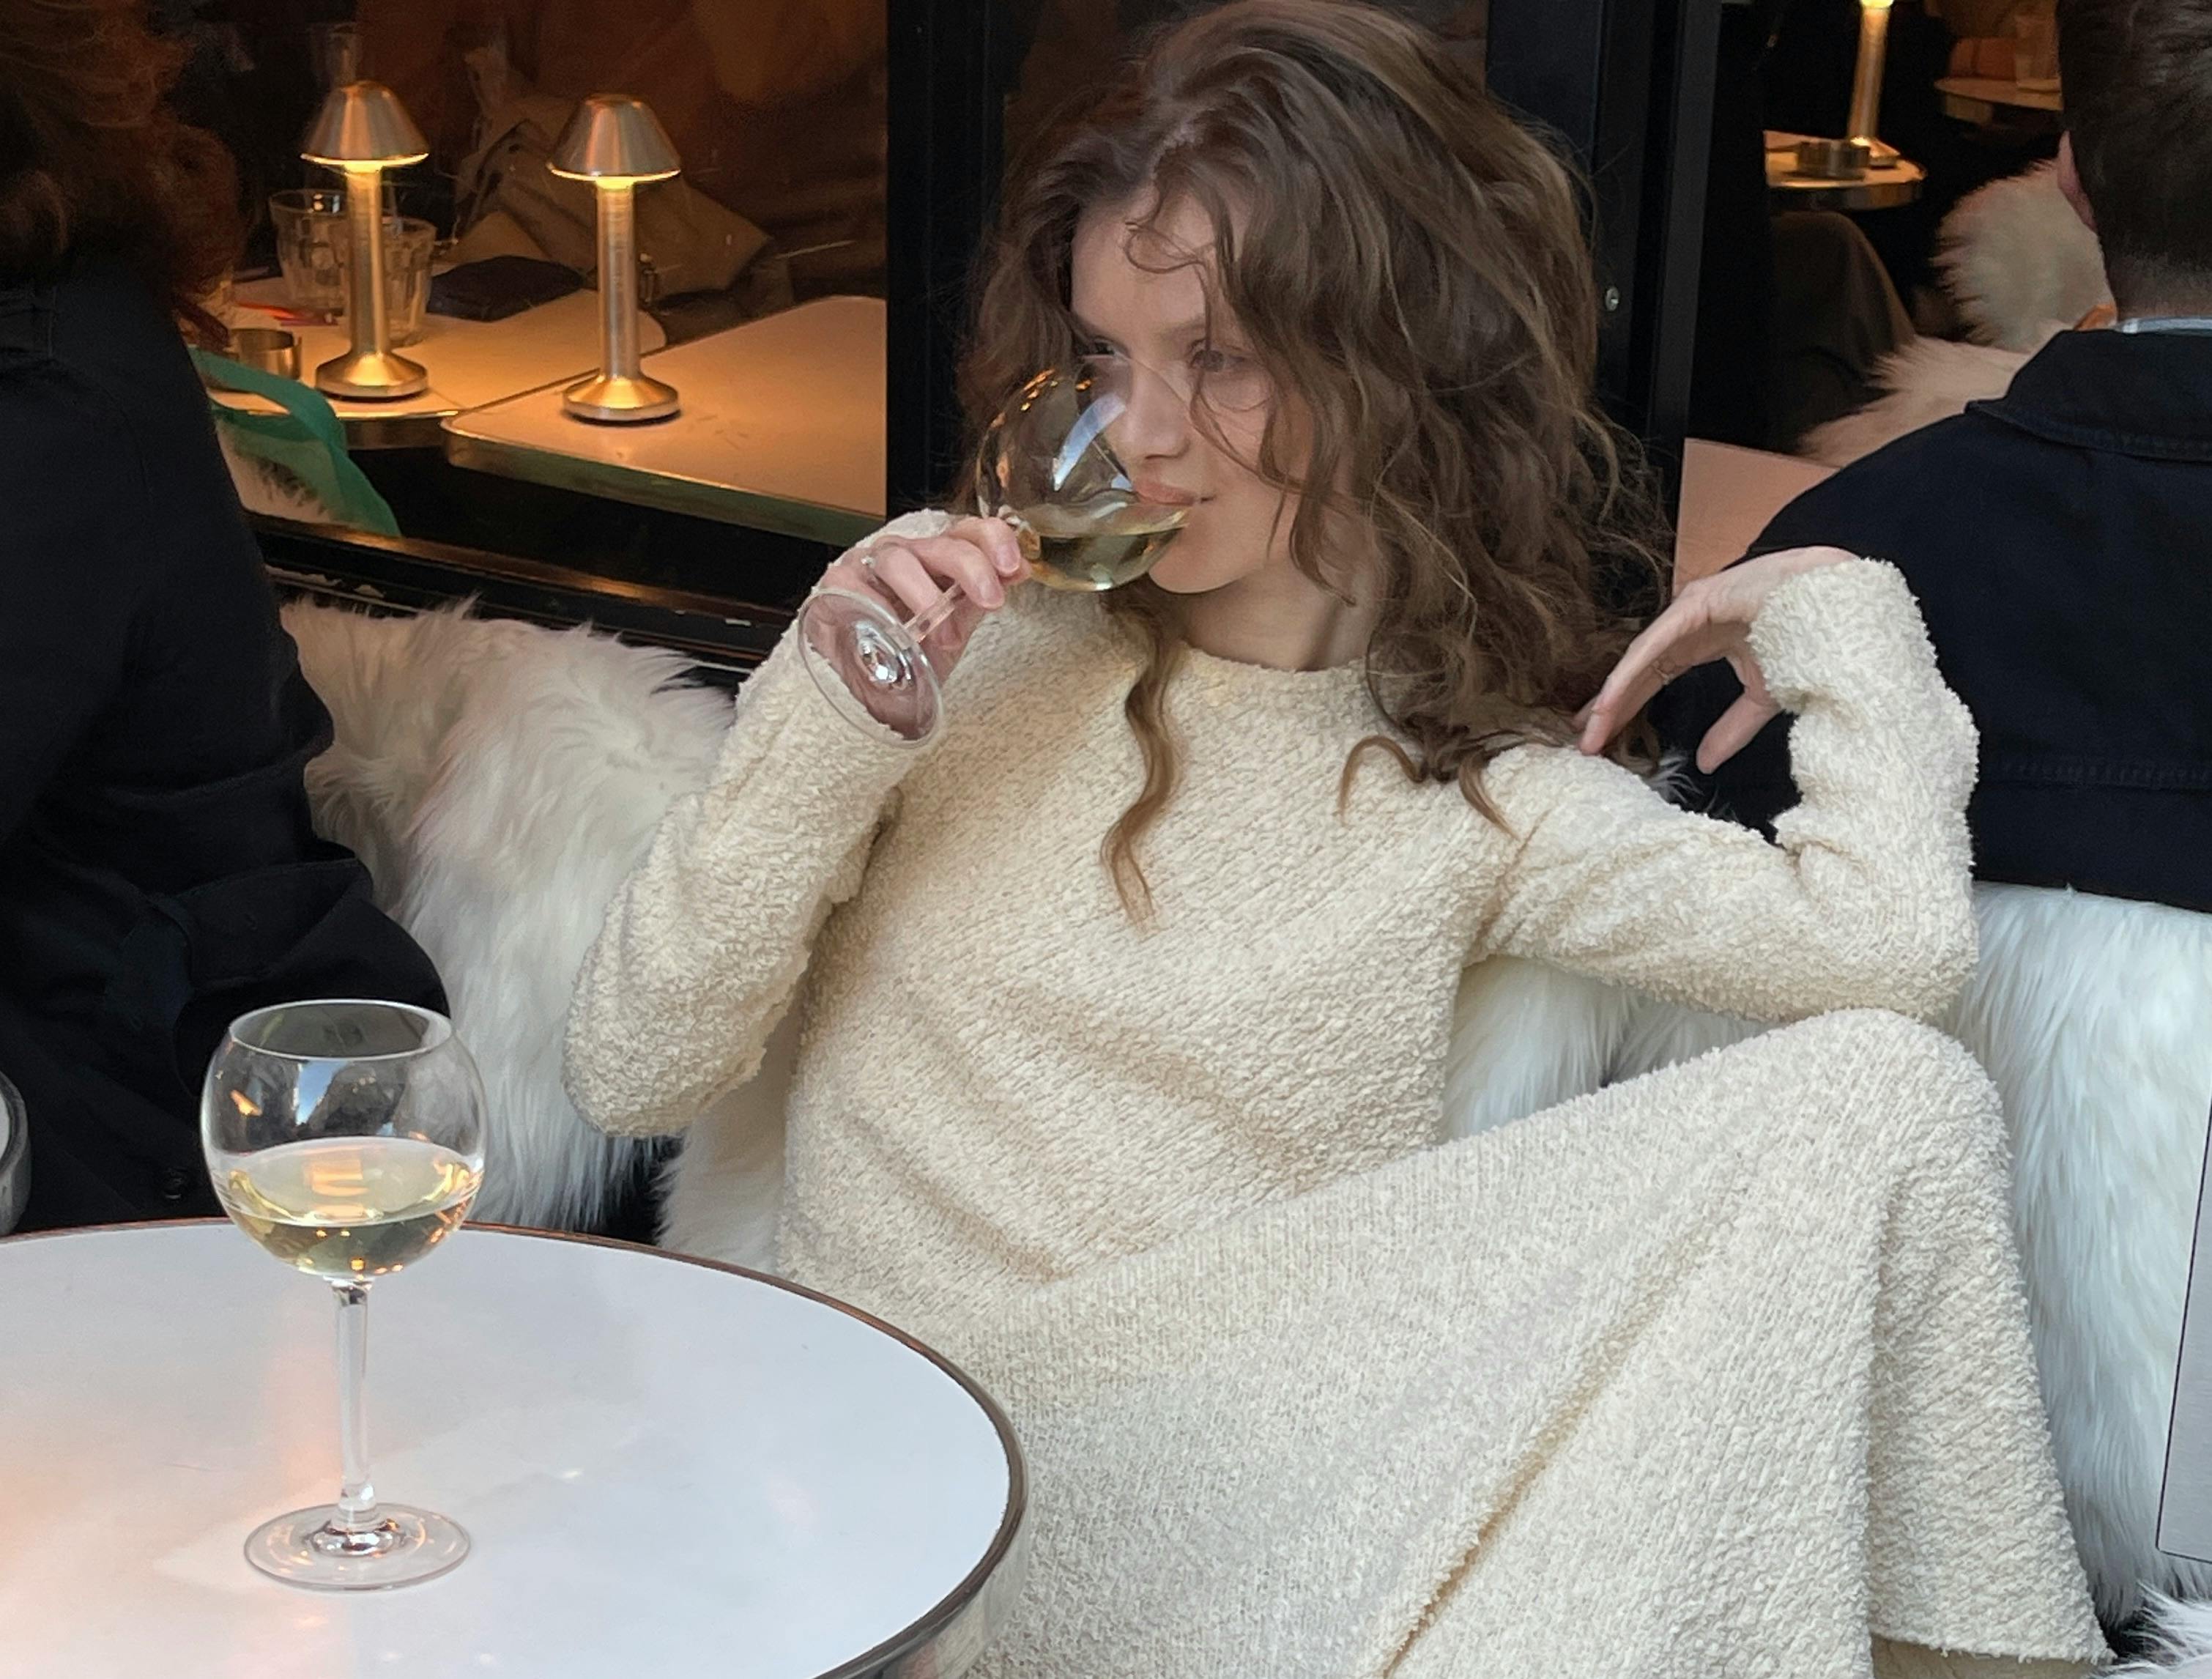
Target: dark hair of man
{"type": "Point", "coordinates": [2138, 80]}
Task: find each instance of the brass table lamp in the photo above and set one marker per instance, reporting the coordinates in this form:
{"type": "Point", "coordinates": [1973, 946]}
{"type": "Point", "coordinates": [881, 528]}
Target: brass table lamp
{"type": "Point", "coordinates": [362, 130]}
{"type": "Point", "coordinates": [1850, 158]}
{"type": "Point", "coordinates": [614, 142]}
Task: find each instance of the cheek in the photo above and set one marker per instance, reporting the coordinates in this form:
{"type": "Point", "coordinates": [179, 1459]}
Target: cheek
{"type": "Point", "coordinates": [1238, 532]}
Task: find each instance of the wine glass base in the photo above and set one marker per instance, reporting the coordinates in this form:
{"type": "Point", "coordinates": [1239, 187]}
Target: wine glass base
{"type": "Point", "coordinates": [868, 667]}
{"type": "Point", "coordinates": [306, 1549]}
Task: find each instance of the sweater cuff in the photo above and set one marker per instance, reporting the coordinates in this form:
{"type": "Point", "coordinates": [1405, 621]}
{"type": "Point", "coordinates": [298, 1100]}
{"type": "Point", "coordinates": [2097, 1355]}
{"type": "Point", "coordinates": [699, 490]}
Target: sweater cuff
{"type": "Point", "coordinates": [829, 764]}
{"type": "Point", "coordinates": [1850, 630]}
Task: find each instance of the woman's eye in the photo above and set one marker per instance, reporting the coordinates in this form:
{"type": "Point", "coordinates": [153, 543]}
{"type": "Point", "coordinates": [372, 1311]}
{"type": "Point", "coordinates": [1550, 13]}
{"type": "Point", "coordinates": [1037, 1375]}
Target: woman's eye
{"type": "Point", "coordinates": [1207, 359]}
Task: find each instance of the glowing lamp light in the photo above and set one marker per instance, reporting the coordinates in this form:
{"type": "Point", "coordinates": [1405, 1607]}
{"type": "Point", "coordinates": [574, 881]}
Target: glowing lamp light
{"type": "Point", "coordinates": [614, 142]}
{"type": "Point", "coordinates": [1866, 80]}
{"type": "Point", "coordinates": [362, 130]}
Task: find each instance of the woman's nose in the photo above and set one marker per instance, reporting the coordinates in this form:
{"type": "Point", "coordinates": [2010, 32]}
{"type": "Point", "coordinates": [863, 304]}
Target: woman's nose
{"type": "Point", "coordinates": [1157, 423]}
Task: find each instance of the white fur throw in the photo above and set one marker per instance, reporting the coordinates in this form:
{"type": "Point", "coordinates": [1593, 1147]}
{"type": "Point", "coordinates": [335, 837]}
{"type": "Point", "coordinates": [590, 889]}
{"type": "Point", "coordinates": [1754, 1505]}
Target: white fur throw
{"type": "Point", "coordinates": [2020, 266]}
{"type": "Point", "coordinates": [2018, 262]}
{"type": "Point", "coordinates": [500, 780]}
{"type": "Point", "coordinates": [2184, 1640]}
{"type": "Point", "coordinates": [1926, 380]}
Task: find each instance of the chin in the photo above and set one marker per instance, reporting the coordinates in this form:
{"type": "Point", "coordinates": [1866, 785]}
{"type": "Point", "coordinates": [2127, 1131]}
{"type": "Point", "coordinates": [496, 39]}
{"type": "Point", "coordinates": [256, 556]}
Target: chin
{"type": "Point", "coordinates": [1187, 569]}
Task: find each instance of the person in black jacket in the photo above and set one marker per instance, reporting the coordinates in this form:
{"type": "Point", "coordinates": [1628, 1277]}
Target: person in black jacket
{"type": "Point", "coordinates": [158, 872]}
{"type": "Point", "coordinates": [2060, 537]}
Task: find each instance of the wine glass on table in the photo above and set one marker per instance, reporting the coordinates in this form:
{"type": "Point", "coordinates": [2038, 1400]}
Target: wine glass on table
{"type": "Point", "coordinates": [347, 1139]}
{"type": "Point", "coordinates": [1047, 467]}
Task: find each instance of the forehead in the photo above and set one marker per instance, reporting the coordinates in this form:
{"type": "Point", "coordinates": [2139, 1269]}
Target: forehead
{"type": "Point", "coordinates": [1133, 272]}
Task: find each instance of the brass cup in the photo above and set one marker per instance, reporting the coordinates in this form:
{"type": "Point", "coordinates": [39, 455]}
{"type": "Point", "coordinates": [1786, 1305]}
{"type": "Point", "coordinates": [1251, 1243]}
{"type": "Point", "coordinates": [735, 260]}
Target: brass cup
{"type": "Point", "coordinates": [269, 348]}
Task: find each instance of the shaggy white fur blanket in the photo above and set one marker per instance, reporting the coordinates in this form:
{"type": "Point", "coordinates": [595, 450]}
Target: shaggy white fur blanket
{"type": "Point", "coordinates": [500, 780]}
{"type": "Point", "coordinates": [2019, 265]}
{"type": "Point", "coordinates": [2018, 261]}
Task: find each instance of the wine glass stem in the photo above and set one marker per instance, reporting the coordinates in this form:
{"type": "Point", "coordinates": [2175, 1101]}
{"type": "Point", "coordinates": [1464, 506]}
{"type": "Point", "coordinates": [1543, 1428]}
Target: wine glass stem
{"type": "Point", "coordinates": [931, 618]}
{"type": "Point", "coordinates": [356, 1511]}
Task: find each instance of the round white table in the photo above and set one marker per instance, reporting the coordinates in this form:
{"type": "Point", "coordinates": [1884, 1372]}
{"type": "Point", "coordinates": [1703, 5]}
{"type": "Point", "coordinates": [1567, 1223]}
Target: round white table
{"type": "Point", "coordinates": [667, 1468]}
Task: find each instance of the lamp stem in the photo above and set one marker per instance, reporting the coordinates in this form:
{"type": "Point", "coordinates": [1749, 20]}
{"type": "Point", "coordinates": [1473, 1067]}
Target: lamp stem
{"type": "Point", "coordinates": [365, 216]}
{"type": "Point", "coordinates": [618, 355]}
{"type": "Point", "coordinates": [1866, 83]}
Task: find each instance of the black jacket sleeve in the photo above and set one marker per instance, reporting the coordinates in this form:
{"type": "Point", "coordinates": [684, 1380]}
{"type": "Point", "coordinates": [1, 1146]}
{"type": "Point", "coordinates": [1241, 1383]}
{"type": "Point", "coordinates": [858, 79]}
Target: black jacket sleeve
{"type": "Point", "coordinates": [71, 493]}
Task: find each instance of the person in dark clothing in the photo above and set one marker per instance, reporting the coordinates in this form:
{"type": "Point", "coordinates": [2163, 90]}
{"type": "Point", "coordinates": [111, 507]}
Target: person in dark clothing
{"type": "Point", "coordinates": [158, 872]}
{"type": "Point", "coordinates": [2058, 537]}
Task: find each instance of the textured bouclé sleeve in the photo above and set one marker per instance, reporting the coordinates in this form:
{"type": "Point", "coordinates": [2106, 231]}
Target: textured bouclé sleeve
{"type": "Point", "coordinates": [1864, 901]}
{"type": "Point", "coordinates": [706, 942]}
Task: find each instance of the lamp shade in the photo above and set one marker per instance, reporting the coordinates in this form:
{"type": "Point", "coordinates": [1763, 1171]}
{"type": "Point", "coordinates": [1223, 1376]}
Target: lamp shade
{"type": "Point", "coordinates": [363, 122]}
{"type": "Point", "coordinates": [613, 138]}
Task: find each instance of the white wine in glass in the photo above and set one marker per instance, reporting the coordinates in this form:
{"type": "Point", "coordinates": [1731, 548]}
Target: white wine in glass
{"type": "Point", "coordinates": [1048, 468]}
{"type": "Point", "coordinates": [347, 1138]}
{"type": "Point", "coordinates": [1095, 546]}
{"type": "Point", "coordinates": [342, 1207]}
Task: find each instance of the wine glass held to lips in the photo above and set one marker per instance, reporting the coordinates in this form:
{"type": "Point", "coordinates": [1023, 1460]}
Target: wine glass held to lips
{"type": "Point", "coordinates": [1053, 502]}
{"type": "Point", "coordinates": [346, 1138]}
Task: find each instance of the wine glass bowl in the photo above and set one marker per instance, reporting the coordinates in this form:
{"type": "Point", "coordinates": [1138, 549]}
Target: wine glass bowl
{"type": "Point", "coordinates": [1049, 467]}
{"type": "Point", "coordinates": [346, 1138]}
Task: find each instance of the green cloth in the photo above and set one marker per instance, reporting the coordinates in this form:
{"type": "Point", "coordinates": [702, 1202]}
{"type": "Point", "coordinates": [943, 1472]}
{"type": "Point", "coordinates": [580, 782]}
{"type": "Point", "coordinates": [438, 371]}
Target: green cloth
{"type": "Point", "coordinates": [305, 439]}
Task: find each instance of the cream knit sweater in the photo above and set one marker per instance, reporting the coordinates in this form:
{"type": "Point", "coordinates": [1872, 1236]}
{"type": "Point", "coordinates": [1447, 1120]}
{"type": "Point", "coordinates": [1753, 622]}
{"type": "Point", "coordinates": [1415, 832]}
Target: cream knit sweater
{"type": "Point", "coordinates": [1003, 1078]}
{"type": "Point", "coordinates": [1725, 1373]}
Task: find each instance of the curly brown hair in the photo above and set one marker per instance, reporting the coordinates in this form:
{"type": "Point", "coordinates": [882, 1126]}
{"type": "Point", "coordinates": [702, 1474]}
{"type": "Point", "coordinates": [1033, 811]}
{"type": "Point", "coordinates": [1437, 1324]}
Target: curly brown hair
{"type": "Point", "coordinates": [1410, 266]}
{"type": "Point", "coordinates": [91, 158]}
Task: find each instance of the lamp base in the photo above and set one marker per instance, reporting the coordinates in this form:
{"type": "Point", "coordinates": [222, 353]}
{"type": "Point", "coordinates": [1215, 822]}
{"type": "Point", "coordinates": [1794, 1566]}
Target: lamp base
{"type": "Point", "coordinates": [618, 398]}
{"type": "Point", "coordinates": [372, 375]}
{"type": "Point", "coordinates": [1834, 160]}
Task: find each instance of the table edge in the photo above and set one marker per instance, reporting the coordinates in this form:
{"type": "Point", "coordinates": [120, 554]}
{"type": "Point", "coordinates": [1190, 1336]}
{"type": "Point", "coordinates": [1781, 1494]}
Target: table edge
{"type": "Point", "coordinates": [895, 1655]}
{"type": "Point", "coordinates": [669, 492]}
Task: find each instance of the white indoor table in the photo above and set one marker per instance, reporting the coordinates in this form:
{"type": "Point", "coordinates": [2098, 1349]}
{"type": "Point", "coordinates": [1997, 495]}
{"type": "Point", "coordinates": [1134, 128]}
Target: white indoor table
{"type": "Point", "coordinates": [782, 428]}
{"type": "Point", "coordinates": [666, 1467]}
{"type": "Point", "coordinates": [470, 362]}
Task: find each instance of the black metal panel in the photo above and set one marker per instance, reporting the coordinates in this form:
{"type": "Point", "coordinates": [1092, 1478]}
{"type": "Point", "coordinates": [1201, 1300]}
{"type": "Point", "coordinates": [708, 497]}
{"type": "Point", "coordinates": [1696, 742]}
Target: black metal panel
{"type": "Point", "coordinates": [394, 573]}
{"type": "Point", "coordinates": [1627, 86]}
{"type": "Point", "coordinates": [1581, 69]}
{"type": "Point", "coordinates": [949, 69]}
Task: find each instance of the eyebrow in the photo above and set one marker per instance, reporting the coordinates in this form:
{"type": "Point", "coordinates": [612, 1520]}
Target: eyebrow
{"type": "Point", "coordinates": [1195, 325]}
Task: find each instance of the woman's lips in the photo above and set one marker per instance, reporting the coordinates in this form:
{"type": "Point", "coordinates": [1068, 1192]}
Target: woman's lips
{"type": "Point", "coordinates": [1164, 495]}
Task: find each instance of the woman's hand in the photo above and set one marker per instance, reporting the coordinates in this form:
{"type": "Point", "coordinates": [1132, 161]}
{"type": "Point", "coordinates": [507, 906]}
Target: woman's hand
{"type": "Point", "coordinates": [1710, 619]}
{"type": "Point", "coordinates": [980, 558]}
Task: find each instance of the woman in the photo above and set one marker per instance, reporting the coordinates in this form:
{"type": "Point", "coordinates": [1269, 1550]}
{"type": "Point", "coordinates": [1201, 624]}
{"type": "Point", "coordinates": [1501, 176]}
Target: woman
{"type": "Point", "coordinates": [1123, 1005]}
{"type": "Point", "coordinates": [158, 875]}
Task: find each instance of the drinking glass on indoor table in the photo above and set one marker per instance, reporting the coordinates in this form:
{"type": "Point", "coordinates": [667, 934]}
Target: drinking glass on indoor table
{"type": "Point", "coordinates": [347, 1139]}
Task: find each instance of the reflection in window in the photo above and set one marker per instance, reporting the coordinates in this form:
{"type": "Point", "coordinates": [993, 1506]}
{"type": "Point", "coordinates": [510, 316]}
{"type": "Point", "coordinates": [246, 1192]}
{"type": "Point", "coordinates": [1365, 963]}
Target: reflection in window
{"type": "Point", "coordinates": [777, 107]}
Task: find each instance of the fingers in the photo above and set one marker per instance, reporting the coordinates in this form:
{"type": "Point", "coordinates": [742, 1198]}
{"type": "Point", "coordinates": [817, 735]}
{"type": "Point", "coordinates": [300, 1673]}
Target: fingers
{"type": "Point", "coordinates": [1734, 730]}
{"type": "Point", "coordinates": [916, 573]}
{"type": "Point", "coordinates": [997, 539]}
{"type": "Point", "coordinates": [1678, 638]}
{"type": "Point", "coordinates": [912, 573]}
